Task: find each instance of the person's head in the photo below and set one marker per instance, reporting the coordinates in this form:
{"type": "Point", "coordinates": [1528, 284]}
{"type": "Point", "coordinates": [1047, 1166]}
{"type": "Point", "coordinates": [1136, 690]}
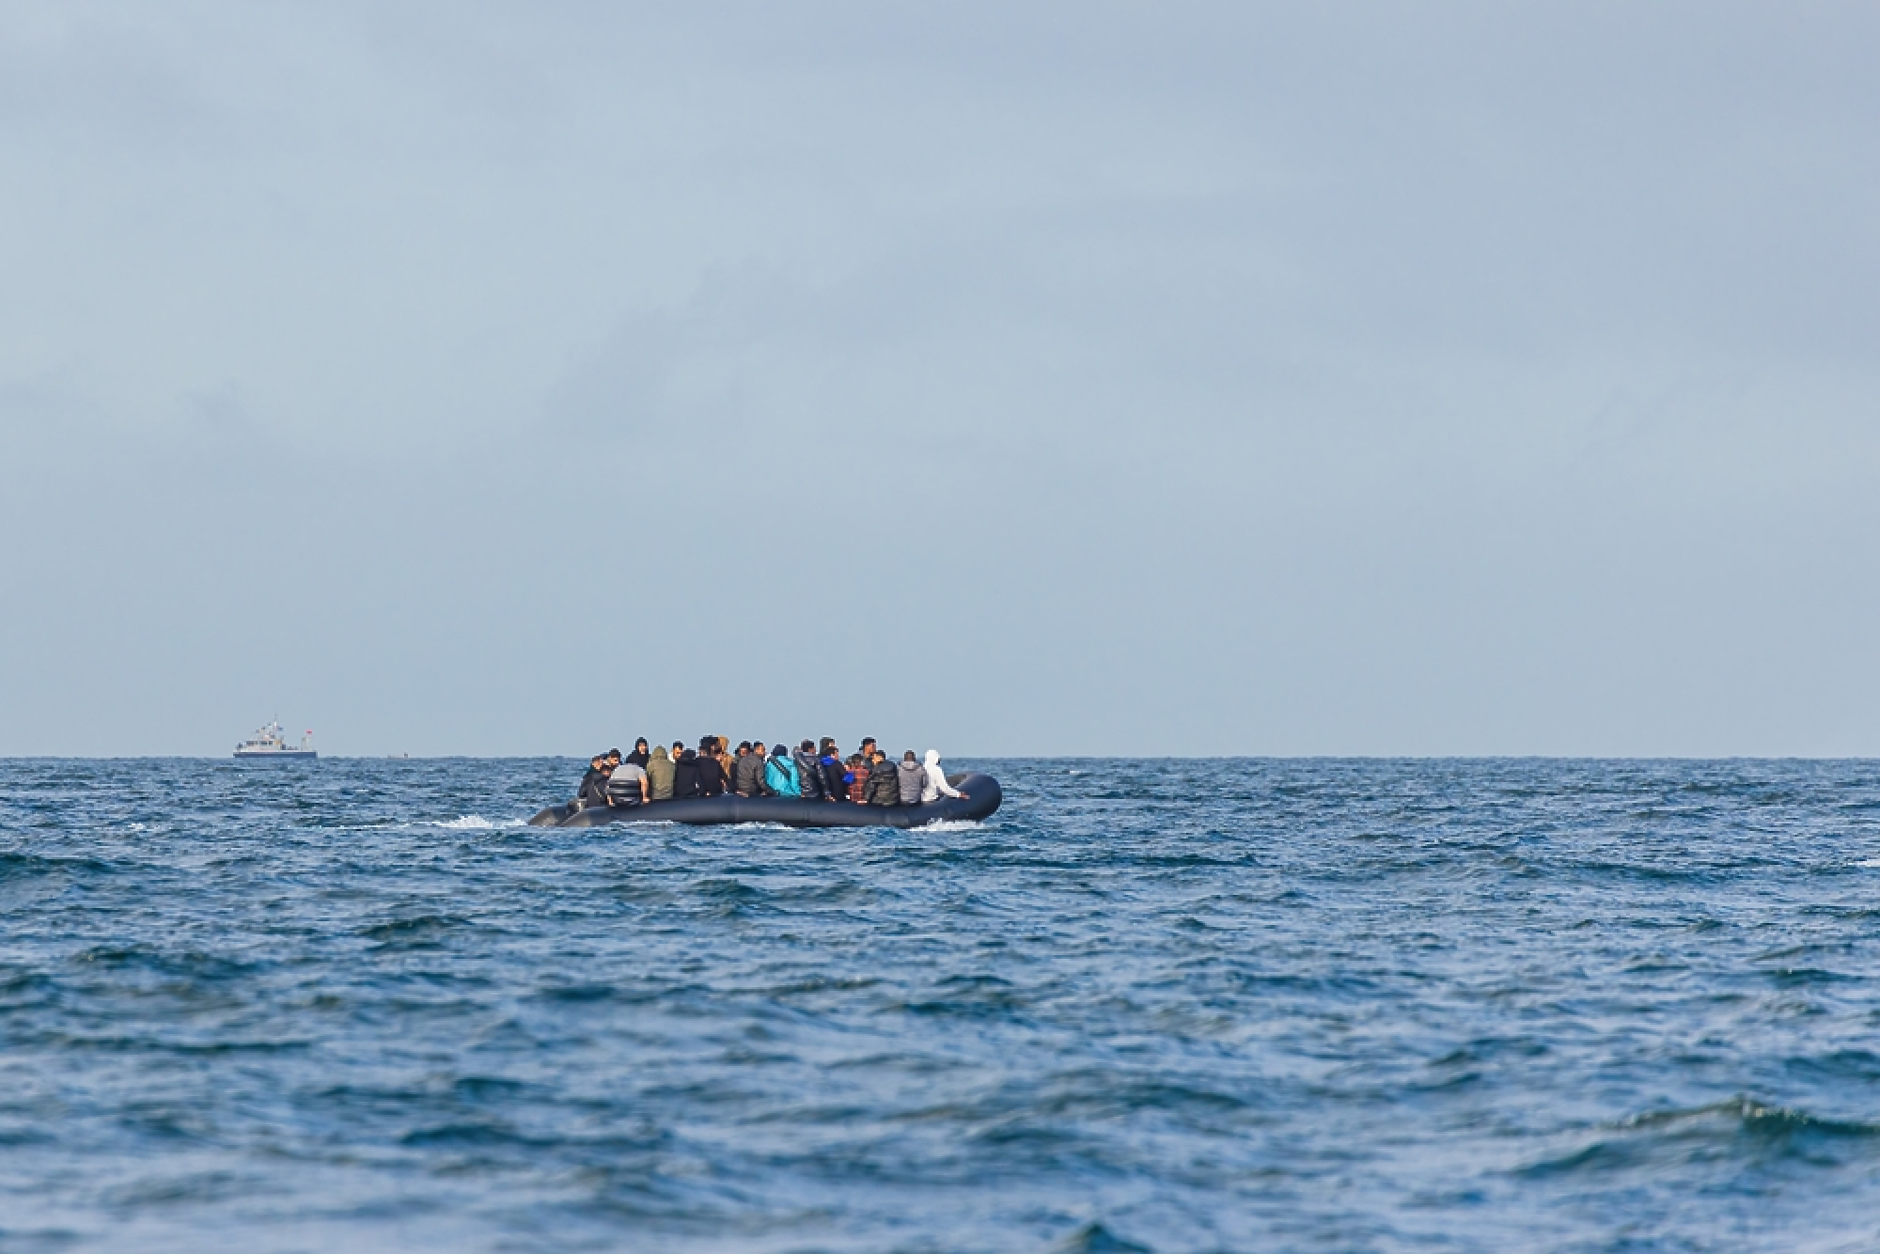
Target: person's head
{"type": "Point", "coordinates": [639, 746]}
{"type": "Point", "coordinates": [659, 753]}
{"type": "Point", "coordinates": [933, 757]}
{"type": "Point", "coordinates": [856, 759]}
{"type": "Point", "coordinates": [614, 755]}
{"type": "Point", "coordinates": [808, 746]}
{"type": "Point", "coordinates": [678, 747]}
{"type": "Point", "coordinates": [908, 757]}
{"type": "Point", "coordinates": [779, 750]}
{"type": "Point", "coordinates": [868, 745]}
{"type": "Point", "coordinates": [828, 744]}
{"type": "Point", "coordinates": [744, 747]}
{"type": "Point", "coordinates": [594, 762]}
{"type": "Point", "coordinates": [707, 743]}
{"type": "Point", "coordinates": [877, 755]}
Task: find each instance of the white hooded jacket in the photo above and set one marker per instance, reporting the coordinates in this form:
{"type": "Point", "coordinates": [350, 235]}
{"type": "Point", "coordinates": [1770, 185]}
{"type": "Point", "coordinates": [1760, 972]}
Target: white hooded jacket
{"type": "Point", "coordinates": [937, 785]}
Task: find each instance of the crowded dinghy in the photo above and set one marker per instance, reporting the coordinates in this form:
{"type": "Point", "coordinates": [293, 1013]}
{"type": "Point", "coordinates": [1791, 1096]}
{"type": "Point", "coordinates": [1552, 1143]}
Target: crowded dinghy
{"type": "Point", "coordinates": [810, 786]}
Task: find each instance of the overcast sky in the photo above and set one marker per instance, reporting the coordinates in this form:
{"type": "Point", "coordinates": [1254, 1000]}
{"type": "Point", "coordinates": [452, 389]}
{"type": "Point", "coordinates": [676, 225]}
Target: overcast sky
{"type": "Point", "coordinates": [1049, 378]}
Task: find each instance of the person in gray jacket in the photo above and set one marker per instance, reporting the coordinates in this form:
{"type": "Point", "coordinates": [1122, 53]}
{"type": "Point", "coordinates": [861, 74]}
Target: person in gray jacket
{"type": "Point", "coordinates": [912, 777]}
{"type": "Point", "coordinates": [627, 786]}
{"type": "Point", "coordinates": [747, 773]}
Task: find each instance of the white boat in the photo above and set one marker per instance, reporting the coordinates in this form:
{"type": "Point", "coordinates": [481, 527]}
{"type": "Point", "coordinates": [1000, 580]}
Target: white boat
{"type": "Point", "coordinates": [269, 743]}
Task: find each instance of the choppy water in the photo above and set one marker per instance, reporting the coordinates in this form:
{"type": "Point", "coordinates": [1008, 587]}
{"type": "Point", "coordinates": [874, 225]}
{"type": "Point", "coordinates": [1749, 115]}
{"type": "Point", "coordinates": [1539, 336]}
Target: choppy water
{"type": "Point", "coordinates": [1158, 1005]}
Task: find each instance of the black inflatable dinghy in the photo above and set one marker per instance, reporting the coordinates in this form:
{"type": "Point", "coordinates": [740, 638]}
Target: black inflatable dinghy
{"type": "Point", "coordinates": [982, 798]}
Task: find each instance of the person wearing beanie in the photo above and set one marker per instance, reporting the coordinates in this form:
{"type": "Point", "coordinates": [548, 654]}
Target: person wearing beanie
{"type": "Point", "coordinates": [911, 779]}
{"type": "Point", "coordinates": [627, 785]}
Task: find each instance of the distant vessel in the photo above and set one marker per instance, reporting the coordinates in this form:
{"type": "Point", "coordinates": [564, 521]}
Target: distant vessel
{"type": "Point", "coordinates": [269, 743]}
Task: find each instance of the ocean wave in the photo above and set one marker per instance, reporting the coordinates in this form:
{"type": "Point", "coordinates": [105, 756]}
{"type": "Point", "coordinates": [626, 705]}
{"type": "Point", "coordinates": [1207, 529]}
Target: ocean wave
{"type": "Point", "coordinates": [25, 864]}
{"type": "Point", "coordinates": [1740, 1127]}
{"type": "Point", "coordinates": [1263, 1005]}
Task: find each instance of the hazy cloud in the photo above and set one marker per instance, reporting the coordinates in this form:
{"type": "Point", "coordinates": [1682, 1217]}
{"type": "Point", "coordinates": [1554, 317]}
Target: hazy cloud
{"type": "Point", "coordinates": [1061, 378]}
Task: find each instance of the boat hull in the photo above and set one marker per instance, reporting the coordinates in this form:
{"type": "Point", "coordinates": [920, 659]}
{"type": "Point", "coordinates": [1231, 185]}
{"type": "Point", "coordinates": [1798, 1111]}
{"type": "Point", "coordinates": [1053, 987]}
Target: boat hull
{"type": "Point", "coordinates": [268, 755]}
{"type": "Point", "coordinates": [982, 798]}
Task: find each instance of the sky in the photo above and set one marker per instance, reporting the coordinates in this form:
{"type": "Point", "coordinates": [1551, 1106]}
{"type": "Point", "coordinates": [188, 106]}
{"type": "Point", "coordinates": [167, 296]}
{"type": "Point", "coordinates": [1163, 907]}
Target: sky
{"type": "Point", "coordinates": [1038, 379]}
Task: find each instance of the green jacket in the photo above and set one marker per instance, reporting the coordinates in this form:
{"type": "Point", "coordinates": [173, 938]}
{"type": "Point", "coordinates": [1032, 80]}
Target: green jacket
{"type": "Point", "coordinates": [659, 775]}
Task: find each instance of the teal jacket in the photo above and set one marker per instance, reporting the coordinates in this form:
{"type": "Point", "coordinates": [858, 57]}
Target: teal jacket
{"type": "Point", "coordinates": [780, 775]}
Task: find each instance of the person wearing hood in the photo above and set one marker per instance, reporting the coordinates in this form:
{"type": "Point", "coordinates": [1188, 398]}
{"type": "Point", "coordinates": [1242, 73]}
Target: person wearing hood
{"type": "Point", "coordinates": [685, 776]}
{"type": "Point", "coordinates": [809, 776]}
{"type": "Point", "coordinates": [780, 774]}
{"type": "Point", "coordinates": [937, 786]}
{"type": "Point", "coordinates": [884, 786]}
{"type": "Point", "coordinates": [711, 767]}
{"type": "Point", "coordinates": [659, 774]}
{"type": "Point", "coordinates": [640, 757]}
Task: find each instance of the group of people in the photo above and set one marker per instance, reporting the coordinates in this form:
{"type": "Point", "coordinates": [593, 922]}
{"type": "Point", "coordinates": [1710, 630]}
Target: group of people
{"type": "Point", "coordinates": [811, 771]}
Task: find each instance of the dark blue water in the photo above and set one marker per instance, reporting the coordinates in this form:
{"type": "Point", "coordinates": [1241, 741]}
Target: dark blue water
{"type": "Point", "coordinates": [1157, 1005]}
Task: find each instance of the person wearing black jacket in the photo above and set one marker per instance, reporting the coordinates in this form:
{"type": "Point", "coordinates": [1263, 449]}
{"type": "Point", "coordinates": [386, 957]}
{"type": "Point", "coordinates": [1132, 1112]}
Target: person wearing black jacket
{"type": "Point", "coordinates": [835, 781]}
{"type": "Point", "coordinates": [594, 783]}
{"type": "Point", "coordinates": [685, 779]}
{"type": "Point", "coordinates": [809, 776]}
{"type": "Point", "coordinates": [711, 770]}
{"type": "Point", "coordinates": [640, 756]}
{"type": "Point", "coordinates": [884, 782]}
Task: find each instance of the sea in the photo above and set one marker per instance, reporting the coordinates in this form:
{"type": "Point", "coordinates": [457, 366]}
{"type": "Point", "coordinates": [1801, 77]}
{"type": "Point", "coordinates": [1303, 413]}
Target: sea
{"type": "Point", "coordinates": [1150, 1005]}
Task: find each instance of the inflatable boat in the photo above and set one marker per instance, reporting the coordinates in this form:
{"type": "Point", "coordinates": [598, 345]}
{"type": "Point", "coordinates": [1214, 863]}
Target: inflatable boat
{"type": "Point", "coordinates": [981, 799]}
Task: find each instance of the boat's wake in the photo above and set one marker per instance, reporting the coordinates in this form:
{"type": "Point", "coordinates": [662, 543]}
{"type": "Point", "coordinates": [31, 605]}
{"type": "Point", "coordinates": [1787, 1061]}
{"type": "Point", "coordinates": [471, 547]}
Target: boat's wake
{"type": "Point", "coordinates": [476, 823]}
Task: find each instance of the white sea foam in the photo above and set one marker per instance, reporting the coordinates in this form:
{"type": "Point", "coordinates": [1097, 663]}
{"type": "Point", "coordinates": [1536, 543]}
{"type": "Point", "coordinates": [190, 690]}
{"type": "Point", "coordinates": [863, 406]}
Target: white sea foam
{"type": "Point", "coordinates": [950, 825]}
{"type": "Point", "coordinates": [475, 823]}
{"type": "Point", "coordinates": [1868, 862]}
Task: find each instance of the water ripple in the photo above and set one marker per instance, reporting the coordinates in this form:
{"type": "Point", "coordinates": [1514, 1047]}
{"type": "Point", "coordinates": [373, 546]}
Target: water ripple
{"type": "Point", "coordinates": [1150, 1006]}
